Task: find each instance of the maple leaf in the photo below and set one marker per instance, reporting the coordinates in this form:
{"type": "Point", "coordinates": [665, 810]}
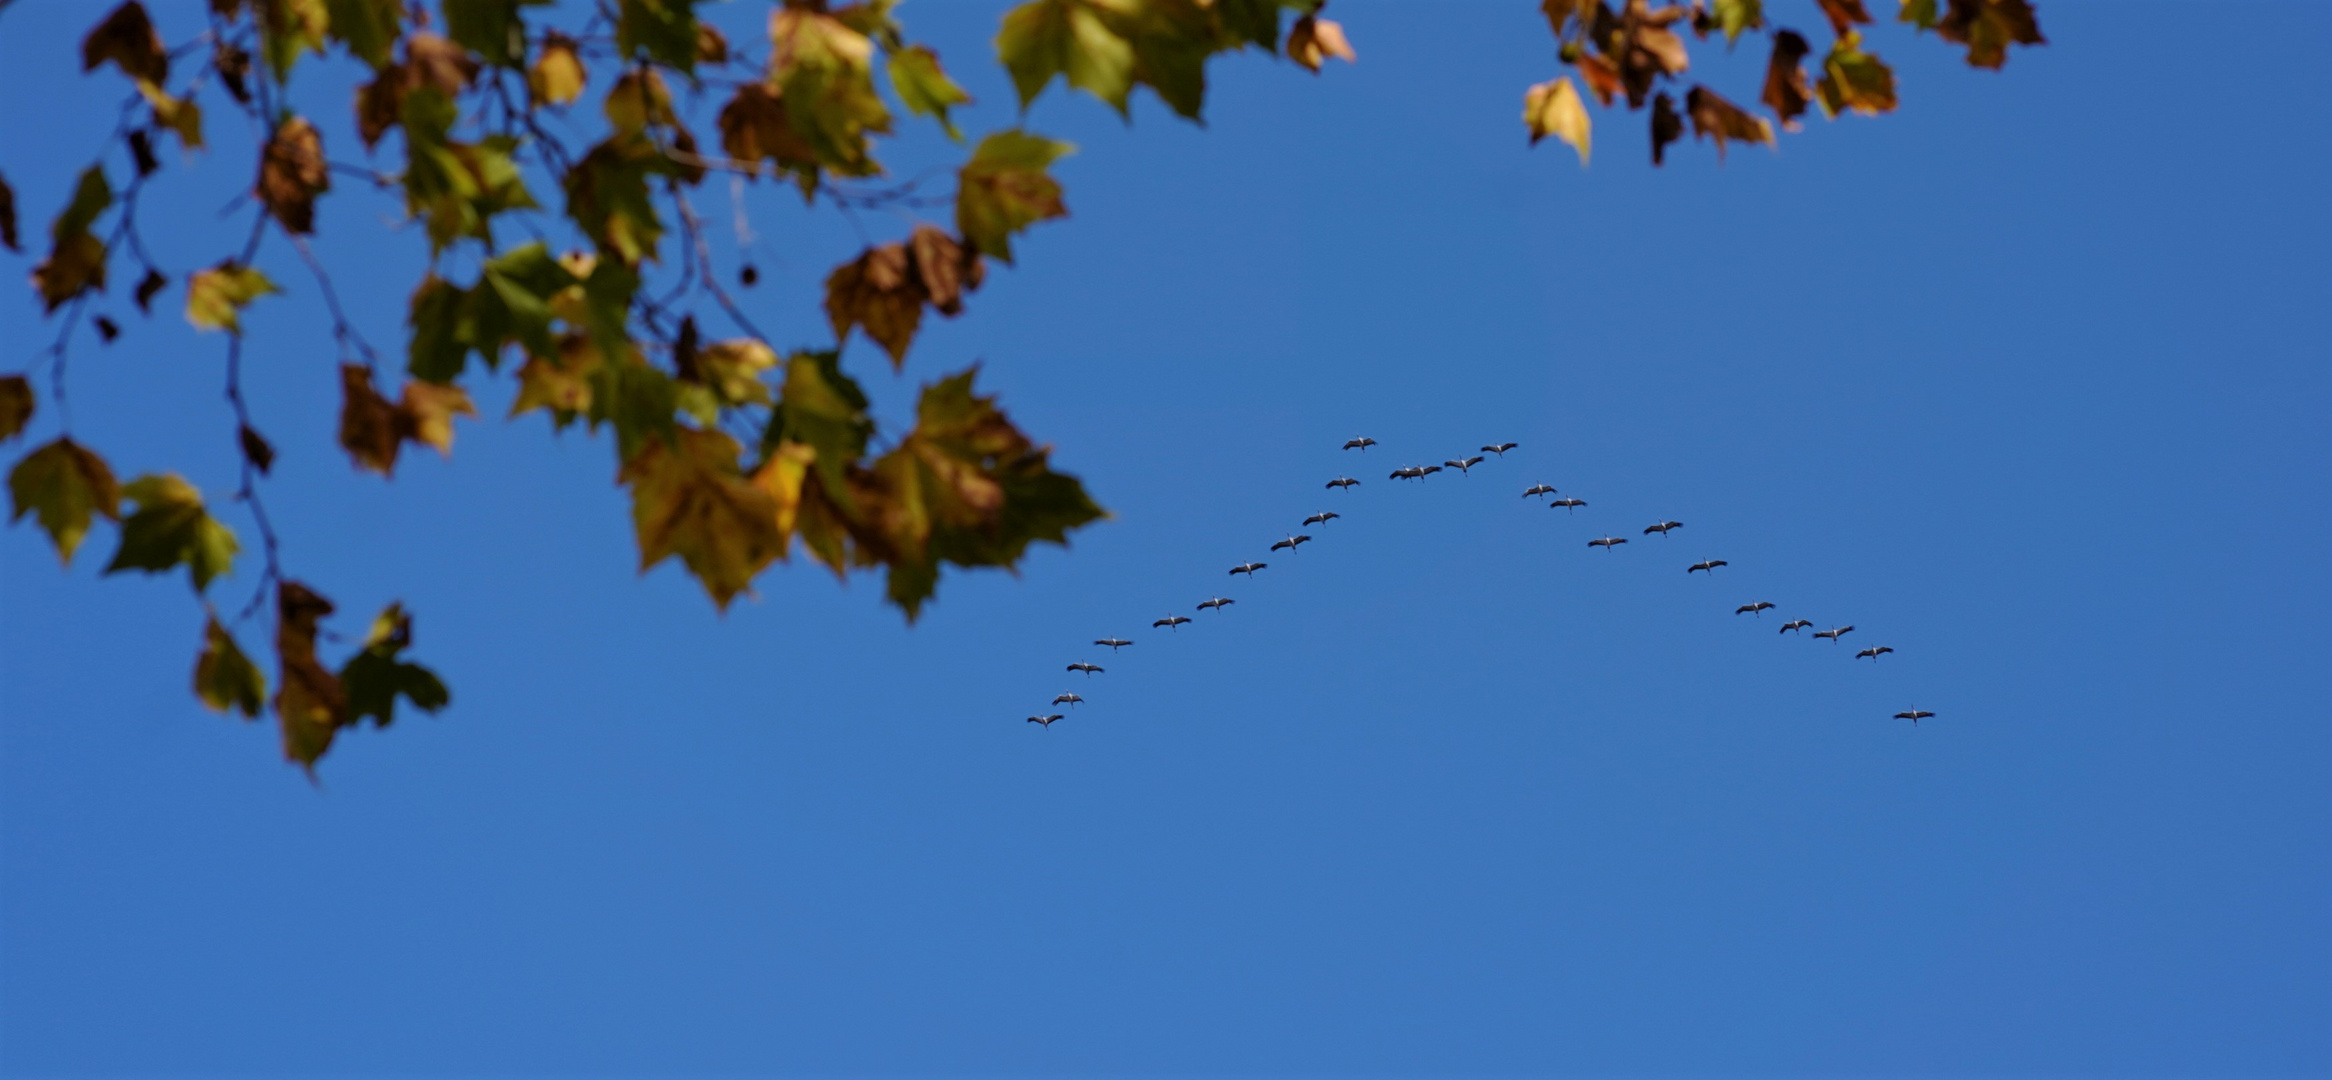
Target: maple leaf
{"type": "Point", "coordinates": [216, 297]}
{"type": "Point", "coordinates": [607, 197]}
{"type": "Point", "coordinates": [377, 676]}
{"type": "Point", "coordinates": [664, 31]}
{"type": "Point", "coordinates": [1785, 79]}
{"type": "Point", "coordinates": [371, 429]}
{"type": "Point", "coordinates": [1004, 189]}
{"type": "Point", "coordinates": [1312, 40]}
{"type": "Point", "coordinates": [455, 187]}
{"type": "Point", "coordinates": [76, 261]}
{"type": "Point", "coordinates": [127, 39]}
{"type": "Point", "coordinates": [1854, 79]}
{"type": "Point", "coordinates": [65, 486]}
{"type": "Point", "coordinates": [224, 678]}
{"type": "Point", "coordinates": [1713, 116]}
{"type": "Point", "coordinates": [558, 383]}
{"type": "Point", "coordinates": [1071, 38]}
{"type": "Point", "coordinates": [1667, 127]}
{"type": "Point", "coordinates": [754, 127]}
{"type": "Point", "coordinates": [1736, 16]}
{"type": "Point", "coordinates": [1844, 15]}
{"type": "Point", "coordinates": [689, 499]}
{"type": "Point", "coordinates": [292, 174]}
{"type": "Point", "coordinates": [16, 404]}
{"type": "Point", "coordinates": [494, 28]}
{"type": "Point", "coordinates": [430, 61]}
{"type": "Point", "coordinates": [824, 71]}
{"type": "Point", "coordinates": [944, 268]}
{"type": "Point", "coordinates": [367, 27]}
{"type": "Point", "coordinates": [171, 527]}
{"type": "Point", "coordinates": [557, 77]}
{"type": "Point", "coordinates": [924, 88]}
{"type": "Point", "coordinates": [288, 28]}
{"type": "Point", "coordinates": [1988, 28]}
{"type": "Point", "coordinates": [1553, 108]}
{"type": "Point", "coordinates": [310, 703]}
{"type": "Point", "coordinates": [875, 292]}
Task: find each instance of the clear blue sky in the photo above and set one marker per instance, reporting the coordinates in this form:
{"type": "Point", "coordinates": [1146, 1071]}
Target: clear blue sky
{"type": "Point", "coordinates": [2028, 381]}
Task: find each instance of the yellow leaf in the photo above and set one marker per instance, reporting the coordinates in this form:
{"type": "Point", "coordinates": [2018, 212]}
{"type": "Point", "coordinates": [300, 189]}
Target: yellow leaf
{"type": "Point", "coordinates": [1312, 40]}
{"type": "Point", "coordinates": [1553, 108]}
{"type": "Point", "coordinates": [216, 297]}
{"type": "Point", "coordinates": [428, 411]}
{"type": "Point", "coordinates": [557, 77]}
{"type": "Point", "coordinates": [689, 499]}
{"type": "Point", "coordinates": [224, 678]}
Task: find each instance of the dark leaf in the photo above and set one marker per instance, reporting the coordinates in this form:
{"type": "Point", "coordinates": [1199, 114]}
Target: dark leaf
{"type": "Point", "coordinates": [148, 287]}
{"type": "Point", "coordinates": [65, 486]}
{"type": "Point", "coordinates": [76, 262]}
{"type": "Point", "coordinates": [1004, 189]}
{"type": "Point", "coordinates": [1856, 80]}
{"type": "Point", "coordinates": [1667, 127]}
{"type": "Point", "coordinates": [142, 153]}
{"type": "Point", "coordinates": [1785, 79]}
{"type": "Point", "coordinates": [255, 449]}
{"type": "Point", "coordinates": [8, 237]}
{"type": "Point", "coordinates": [664, 31]}
{"type": "Point", "coordinates": [875, 293]}
{"type": "Point", "coordinates": [1989, 27]}
{"type": "Point", "coordinates": [171, 528]}
{"type": "Point", "coordinates": [107, 329]}
{"type": "Point", "coordinates": [292, 174]}
{"type": "Point", "coordinates": [224, 678]}
{"type": "Point", "coordinates": [127, 39]}
{"type": "Point", "coordinates": [377, 676]}
{"type": "Point", "coordinates": [1844, 15]}
{"type": "Point", "coordinates": [310, 704]}
{"type": "Point", "coordinates": [1713, 116]}
{"type": "Point", "coordinates": [16, 406]}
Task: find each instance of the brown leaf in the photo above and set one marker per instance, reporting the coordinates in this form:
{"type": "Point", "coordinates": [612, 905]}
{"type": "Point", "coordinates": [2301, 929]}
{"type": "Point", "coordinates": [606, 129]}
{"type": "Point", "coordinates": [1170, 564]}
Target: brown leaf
{"type": "Point", "coordinates": [153, 283]}
{"type": "Point", "coordinates": [945, 268]}
{"type": "Point", "coordinates": [233, 64]}
{"type": "Point", "coordinates": [107, 329]}
{"type": "Point", "coordinates": [711, 47]}
{"type": "Point", "coordinates": [426, 415]}
{"type": "Point", "coordinates": [16, 404]}
{"type": "Point", "coordinates": [1785, 79]}
{"type": "Point", "coordinates": [1844, 15]}
{"type": "Point", "coordinates": [1855, 80]}
{"type": "Point", "coordinates": [1667, 127]}
{"type": "Point", "coordinates": [380, 104]}
{"type": "Point", "coordinates": [876, 293]}
{"type": "Point", "coordinates": [1712, 115]}
{"type": "Point", "coordinates": [371, 428]}
{"type": "Point", "coordinates": [754, 127]}
{"type": "Point", "coordinates": [689, 499]}
{"type": "Point", "coordinates": [142, 153]}
{"type": "Point", "coordinates": [255, 449]}
{"type": "Point", "coordinates": [1988, 27]}
{"type": "Point", "coordinates": [1601, 78]}
{"type": "Point", "coordinates": [1312, 40]}
{"type": "Point", "coordinates": [435, 61]}
{"type": "Point", "coordinates": [128, 39]}
{"type": "Point", "coordinates": [66, 486]}
{"type": "Point", "coordinates": [292, 174]}
{"type": "Point", "coordinates": [310, 703]}
{"type": "Point", "coordinates": [8, 238]}
{"type": "Point", "coordinates": [1648, 49]}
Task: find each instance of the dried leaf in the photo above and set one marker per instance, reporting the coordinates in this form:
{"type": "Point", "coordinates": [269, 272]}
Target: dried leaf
{"type": "Point", "coordinates": [171, 528]}
{"type": "Point", "coordinates": [234, 67]}
{"type": "Point", "coordinates": [66, 486]}
{"type": "Point", "coordinates": [16, 406]}
{"type": "Point", "coordinates": [1667, 127]}
{"type": "Point", "coordinates": [292, 173]}
{"type": "Point", "coordinates": [1844, 15]}
{"type": "Point", "coordinates": [1853, 79]}
{"type": "Point", "coordinates": [557, 77]}
{"type": "Point", "coordinates": [310, 703]}
{"type": "Point", "coordinates": [255, 449]}
{"type": "Point", "coordinates": [224, 678]}
{"type": "Point", "coordinates": [689, 499]}
{"type": "Point", "coordinates": [127, 39]}
{"type": "Point", "coordinates": [876, 293]}
{"type": "Point", "coordinates": [148, 287]}
{"type": "Point", "coordinates": [8, 237]}
{"type": "Point", "coordinates": [1989, 27]}
{"type": "Point", "coordinates": [1602, 79]}
{"type": "Point", "coordinates": [76, 262]}
{"type": "Point", "coordinates": [1553, 108]}
{"type": "Point", "coordinates": [1713, 116]}
{"type": "Point", "coordinates": [1785, 79]}
{"type": "Point", "coordinates": [371, 428]}
{"type": "Point", "coordinates": [754, 127]}
{"type": "Point", "coordinates": [216, 297]}
{"type": "Point", "coordinates": [711, 47]}
{"type": "Point", "coordinates": [943, 268]}
{"type": "Point", "coordinates": [1312, 40]}
{"type": "Point", "coordinates": [428, 410]}
{"type": "Point", "coordinates": [1004, 189]}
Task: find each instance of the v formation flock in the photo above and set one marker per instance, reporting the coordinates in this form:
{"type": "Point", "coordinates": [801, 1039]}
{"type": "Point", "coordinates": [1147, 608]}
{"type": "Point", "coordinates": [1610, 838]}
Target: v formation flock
{"type": "Point", "coordinates": [1463, 464]}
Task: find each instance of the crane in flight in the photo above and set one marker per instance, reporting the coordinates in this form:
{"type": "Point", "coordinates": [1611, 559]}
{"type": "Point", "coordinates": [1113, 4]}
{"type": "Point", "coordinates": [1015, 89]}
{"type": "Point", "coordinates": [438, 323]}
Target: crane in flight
{"type": "Point", "coordinates": [1834, 633]}
{"type": "Point", "coordinates": [1662, 527]}
{"type": "Point", "coordinates": [1114, 643]}
{"type": "Point", "coordinates": [1874, 652]}
{"type": "Point", "coordinates": [1322, 518]}
{"type": "Point", "coordinates": [1567, 504]}
{"type": "Point", "coordinates": [1071, 700]}
{"type": "Point", "coordinates": [1090, 670]}
{"type": "Point", "coordinates": [1797, 624]}
{"type": "Point", "coordinates": [1414, 472]}
{"type": "Point", "coordinates": [1172, 621]}
{"type": "Point", "coordinates": [1216, 603]}
{"type": "Point", "coordinates": [1913, 715]}
{"type": "Point", "coordinates": [1343, 482]}
{"type": "Point", "coordinates": [1292, 542]}
{"type": "Point", "coordinates": [1361, 444]}
{"type": "Point", "coordinates": [1464, 464]}
{"type": "Point", "coordinates": [1709, 565]}
{"type": "Point", "coordinates": [1500, 449]}
{"type": "Point", "coordinates": [1538, 489]}
{"type": "Point", "coordinates": [1608, 542]}
{"type": "Point", "coordinates": [1047, 721]}
{"type": "Point", "coordinates": [1753, 609]}
{"type": "Point", "coordinates": [1248, 568]}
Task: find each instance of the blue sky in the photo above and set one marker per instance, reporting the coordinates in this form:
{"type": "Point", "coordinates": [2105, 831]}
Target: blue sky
{"type": "Point", "coordinates": [2027, 381]}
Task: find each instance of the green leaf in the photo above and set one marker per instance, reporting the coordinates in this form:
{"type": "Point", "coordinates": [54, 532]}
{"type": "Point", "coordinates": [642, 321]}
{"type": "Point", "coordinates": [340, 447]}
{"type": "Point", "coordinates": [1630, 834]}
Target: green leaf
{"type": "Point", "coordinates": [216, 297]}
{"type": "Point", "coordinates": [1736, 16]}
{"type": "Point", "coordinates": [607, 196]}
{"type": "Point", "coordinates": [823, 409]}
{"type": "Point", "coordinates": [172, 527]}
{"type": "Point", "coordinates": [76, 261]}
{"type": "Point", "coordinates": [16, 405]}
{"type": "Point", "coordinates": [689, 499]}
{"type": "Point", "coordinates": [824, 72]}
{"type": "Point", "coordinates": [66, 486]}
{"type": "Point", "coordinates": [224, 678]}
{"type": "Point", "coordinates": [1004, 189]}
{"type": "Point", "coordinates": [289, 28]}
{"type": "Point", "coordinates": [924, 88]}
{"type": "Point", "coordinates": [660, 30]}
{"type": "Point", "coordinates": [376, 676]}
{"type": "Point", "coordinates": [438, 347]}
{"type": "Point", "coordinates": [493, 29]}
{"type": "Point", "coordinates": [1919, 13]}
{"type": "Point", "coordinates": [638, 401]}
{"type": "Point", "coordinates": [456, 187]}
{"type": "Point", "coordinates": [1072, 38]}
{"type": "Point", "coordinates": [367, 27]}
{"type": "Point", "coordinates": [512, 303]}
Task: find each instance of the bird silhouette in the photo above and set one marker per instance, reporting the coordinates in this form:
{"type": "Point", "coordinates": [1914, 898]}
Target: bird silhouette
{"type": "Point", "coordinates": [1796, 624]}
{"type": "Point", "coordinates": [1114, 643]}
{"type": "Point", "coordinates": [1089, 669]}
{"type": "Point", "coordinates": [1913, 715]}
{"type": "Point", "coordinates": [1291, 543]}
{"type": "Point", "coordinates": [1752, 609]}
{"type": "Point", "coordinates": [1709, 565]}
{"type": "Point", "coordinates": [1538, 489]}
{"type": "Point", "coordinates": [1172, 621]}
{"type": "Point", "coordinates": [1361, 444]}
{"type": "Point", "coordinates": [1662, 527]}
{"type": "Point", "coordinates": [1834, 633]}
{"type": "Point", "coordinates": [1874, 652]}
{"type": "Point", "coordinates": [1608, 542]}
{"type": "Point", "coordinates": [1464, 464]}
{"type": "Point", "coordinates": [1500, 449]}
{"type": "Point", "coordinates": [1068, 699]}
{"type": "Point", "coordinates": [1567, 504]}
{"type": "Point", "coordinates": [1343, 482]}
{"type": "Point", "coordinates": [1322, 518]}
{"type": "Point", "coordinates": [1047, 721]}
{"type": "Point", "coordinates": [1216, 603]}
{"type": "Point", "coordinates": [1248, 568]}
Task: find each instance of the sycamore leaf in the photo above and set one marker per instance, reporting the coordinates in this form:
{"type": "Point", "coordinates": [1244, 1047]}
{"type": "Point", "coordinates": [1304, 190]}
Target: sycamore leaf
{"type": "Point", "coordinates": [924, 88]}
{"type": "Point", "coordinates": [637, 100]}
{"type": "Point", "coordinates": [1312, 40]}
{"type": "Point", "coordinates": [512, 304]}
{"type": "Point", "coordinates": [16, 405]}
{"type": "Point", "coordinates": [292, 174]}
{"type": "Point", "coordinates": [1844, 15]}
{"type": "Point", "coordinates": [1920, 14]}
{"type": "Point", "coordinates": [288, 28]}
{"type": "Point", "coordinates": [1785, 79]}
{"type": "Point", "coordinates": [65, 486]}
{"type": "Point", "coordinates": [224, 678]}
{"type": "Point", "coordinates": [376, 676]}
{"type": "Point", "coordinates": [558, 383]}
{"type": "Point", "coordinates": [1736, 16]}
{"type": "Point", "coordinates": [438, 347]}
{"type": "Point", "coordinates": [1854, 79]}
{"type": "Point", "coordinates": [875, 293]}
{"type": "Point", "coordinates": [127, 40]}
{"type": "Point", "coordinates": [255, 448]}
{"type": "Point", "coordinates": [635, 399]}
{"type": "Point", "coordinates": [607, 196]}
{"type": "Point", "coordinates": [371, 428]}
{"type": "Point", "coordinates": [493, 28]}
{"type": "Point", "coordinates": [732, 370]}
{"type": "Point", "coordinates": [430, 61]}
{"type": "Point", "coordinates": [172, 527]}
{"type": "Point", "coordinates": [456, 187]}
{"type": "Point", "coordinates": [76, 261]}
{"type": "Point", "coordinates": [1553, 108]}
{"type": "Point", "coordinates": [8, 237]}
{"type": "Point", "coordinates": [664, 31]}
{"type": "Point", "coordinates": [711, 46]}
{"type": "Point", "coordinates": [1713, 116]}
{"type": "Point", "coordinates": [824, 71]}
{"type": "Point", "coordinates": [1004, 189]}
{"type": "Point", "coordinates": [822, 409]}
{"type": "Point", "coordinates": [216, 297]}
{"type": "Point", "coordinates": [1989, 27]}
{"type": "Point", "coordinates": [367, 27]}
{"type": "Point", "coordinates": [428, 410]}
{"type": "Point", "coordinates": [754, 127]}
{"type": "Point", "coordinates": [690, 499]}
{"type": "Point", "coordinates": [1667, 127]}
{"type": "Point", "coordinates": [557, 77]}
{"type": "Point", "coordinates": [310, 703]}
{"type": "Point", "coordinates": [180, 116]}
{"type": "Point", "coordinates": [1072, 38]}
{"type": "Point", "coordinates": [944, 268]}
